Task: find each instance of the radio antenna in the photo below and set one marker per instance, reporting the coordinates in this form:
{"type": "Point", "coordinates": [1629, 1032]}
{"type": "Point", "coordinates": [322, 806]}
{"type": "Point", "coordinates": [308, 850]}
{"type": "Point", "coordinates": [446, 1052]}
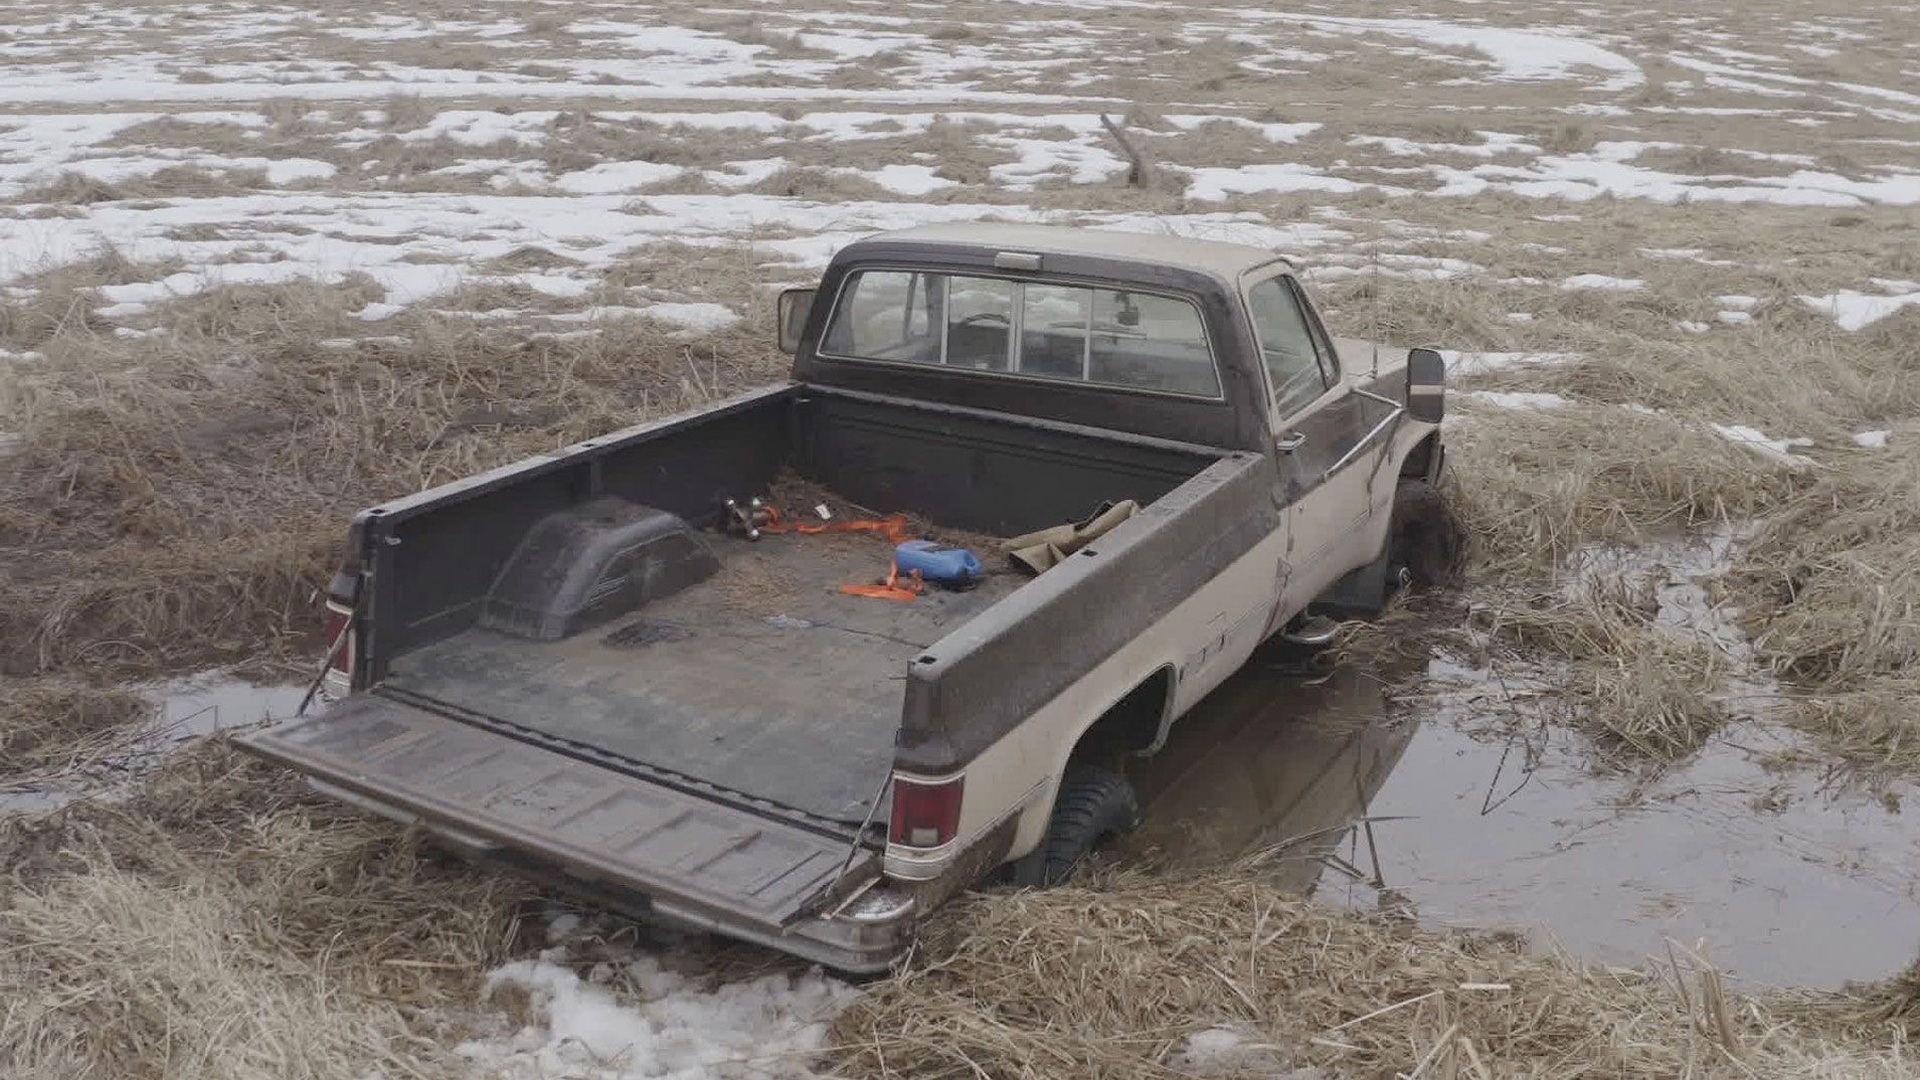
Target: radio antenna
{"type": "Point", "coordinates": [1374, 296]}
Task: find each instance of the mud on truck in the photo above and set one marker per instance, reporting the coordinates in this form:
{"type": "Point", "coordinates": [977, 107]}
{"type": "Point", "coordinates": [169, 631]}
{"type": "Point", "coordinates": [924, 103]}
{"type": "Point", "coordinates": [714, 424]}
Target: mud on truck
{"type": "Point", "coordinates": [626, 669]}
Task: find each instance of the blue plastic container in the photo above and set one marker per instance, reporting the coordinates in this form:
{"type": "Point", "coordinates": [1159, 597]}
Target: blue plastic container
{"type": "Point", "coordinates": [953, 567]}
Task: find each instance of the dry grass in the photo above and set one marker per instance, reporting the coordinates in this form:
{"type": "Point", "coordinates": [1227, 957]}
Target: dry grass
{"type": "Point", "coordinates": [1637, 687]}
{"type": "Point", "coordinates": [223, 924]}
{"type": "Point", "coordinates": [46, 723]}
{"type": "Point", "coordinates": [1533, 486]}
{"type": "Point", "coordinates": [1109, 980]}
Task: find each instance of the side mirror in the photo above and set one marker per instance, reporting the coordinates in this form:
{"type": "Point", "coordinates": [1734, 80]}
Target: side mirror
{"type": "Point", "coordinates": [1426, 385]}
{"type": "Point", "coordinates": [793, 308]}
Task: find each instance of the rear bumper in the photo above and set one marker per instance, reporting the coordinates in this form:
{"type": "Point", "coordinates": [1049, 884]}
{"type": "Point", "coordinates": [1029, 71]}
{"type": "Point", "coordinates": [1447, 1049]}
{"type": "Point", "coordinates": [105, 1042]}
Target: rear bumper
{"type": "Point", "coordinates": [864, 936]}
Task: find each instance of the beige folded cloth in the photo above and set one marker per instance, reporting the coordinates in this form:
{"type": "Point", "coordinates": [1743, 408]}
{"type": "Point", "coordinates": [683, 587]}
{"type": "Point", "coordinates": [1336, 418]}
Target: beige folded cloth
{"type": "Point", "coordinates": [1040, 551]}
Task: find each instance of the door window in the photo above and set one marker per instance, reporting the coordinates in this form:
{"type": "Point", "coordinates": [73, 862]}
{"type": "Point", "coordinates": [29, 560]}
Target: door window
{"type": "Point", "coordinates": [1287, 345]}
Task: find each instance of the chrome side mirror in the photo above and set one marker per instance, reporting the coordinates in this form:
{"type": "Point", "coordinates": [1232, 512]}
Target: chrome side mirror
{"type": "Point", "coordinates": [793, 308]}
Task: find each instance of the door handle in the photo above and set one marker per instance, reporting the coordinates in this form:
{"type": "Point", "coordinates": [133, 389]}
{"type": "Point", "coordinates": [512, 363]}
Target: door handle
{"type": "Point", "coordinates": [1291, 441]}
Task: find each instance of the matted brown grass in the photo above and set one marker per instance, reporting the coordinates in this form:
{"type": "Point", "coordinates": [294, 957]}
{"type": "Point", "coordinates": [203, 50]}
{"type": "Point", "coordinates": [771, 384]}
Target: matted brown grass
{"type": "Point", "coordinates": [1110, 979]}
{"type": "Point", "coordinates": [225, 924]}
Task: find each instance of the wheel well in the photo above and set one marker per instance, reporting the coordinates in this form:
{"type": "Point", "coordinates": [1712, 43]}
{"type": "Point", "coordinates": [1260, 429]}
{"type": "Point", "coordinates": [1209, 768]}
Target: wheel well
{"type": "Point", "coordinates": [1130, 726]}
{"type": "Point", "coordinates": [1420, 459]}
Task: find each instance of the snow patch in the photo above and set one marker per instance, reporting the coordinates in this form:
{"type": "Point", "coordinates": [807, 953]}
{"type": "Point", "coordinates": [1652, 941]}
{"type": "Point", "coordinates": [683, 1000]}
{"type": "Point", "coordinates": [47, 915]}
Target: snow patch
{"type": "Point", "coordinates": [1604, 282]}
{"type": "Point", "coordinates": [1518, 400]}
{"type": "Point", "coordinates": [1481, 363]}
{"type": "Point", "coordinates": [1872, 440]}
{"type": "Point", "coordinates": [1857, 311]}
{"type": "Point", "coordinates": [1520, 55]}
{"type": "Point", "coordinates": [1753, 439]}
{"type": "Point", "coordinates": [483, 127]}
{"type": "Point", "coordinates": [763, 1027]}
{"type": "Point", "coordinates": [740, 174]}
{"type": "Point", "coordinates": [908, 180]}
{"type": "Point", "coordinates": [1734, 318]}
{"type": "Point", "coordinates": [613, 177]}
{"type": "Point", "coordinates": [1219, 184]}
{"type": "Point", "coordinates": [1273, 133]}
{"type": "Point", "coordinates": [701, 318]}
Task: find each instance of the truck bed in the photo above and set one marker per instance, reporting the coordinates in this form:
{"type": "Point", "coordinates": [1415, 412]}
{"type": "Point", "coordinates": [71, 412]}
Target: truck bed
{"type": "Point", "coordinates": [763, 679]}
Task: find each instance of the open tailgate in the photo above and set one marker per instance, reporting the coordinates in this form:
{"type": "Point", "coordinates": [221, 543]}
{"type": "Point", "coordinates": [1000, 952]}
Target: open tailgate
{"type": "Point", "coordinates": [608, 828]}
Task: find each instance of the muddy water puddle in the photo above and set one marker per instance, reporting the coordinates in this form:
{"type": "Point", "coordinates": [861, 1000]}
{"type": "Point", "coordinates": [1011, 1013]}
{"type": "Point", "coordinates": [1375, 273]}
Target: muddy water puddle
{"type": "Point", "coordinates": [1422, 808]}
{"type": "Point", "coordinates": [184, 710]}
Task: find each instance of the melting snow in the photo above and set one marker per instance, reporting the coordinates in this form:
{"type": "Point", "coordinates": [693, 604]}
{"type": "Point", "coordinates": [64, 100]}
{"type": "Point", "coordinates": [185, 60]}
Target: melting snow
{"type": "Point", "coordinates": [1216, 184]}
{"type": "Point", "coordinates": [764, 1027]}
{"type": "Point", "coordinates": [698, 317]}
{"type": "Point", "coordinates": [1481, 363]}
{"type": "Point", "coordinates": [1857, 311]}
{"type": "Point", "coordinates": [1872, 440]}
{"type": "Point", "coordinates": [1603, 281]}
{"type": "Point", "coordinates": [739, 174]}
{"type": "Point", "coordinates": [1520, 55]}
{"type": "Point", "coordinates": [1517, 400]}
{"type": "Point", "coordinates": [908, 180]}
{"type": "Point", "coordinates": [612, 177]}
{"type": "Point", "coordinates": [1274, 133]}
{"type": "Point", "coordinates": [1734, 318]}
{"type": "Point", "coordinates": [1777, 449]}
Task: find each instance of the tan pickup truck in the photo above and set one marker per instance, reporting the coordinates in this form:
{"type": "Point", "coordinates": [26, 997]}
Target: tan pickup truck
{"type": "Point", "coordinates": [584, 667]}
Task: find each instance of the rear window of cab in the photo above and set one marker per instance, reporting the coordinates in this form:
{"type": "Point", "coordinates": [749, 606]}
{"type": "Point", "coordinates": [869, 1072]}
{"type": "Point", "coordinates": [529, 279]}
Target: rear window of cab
{"type": "Point", "coordinates": [1067, 333]}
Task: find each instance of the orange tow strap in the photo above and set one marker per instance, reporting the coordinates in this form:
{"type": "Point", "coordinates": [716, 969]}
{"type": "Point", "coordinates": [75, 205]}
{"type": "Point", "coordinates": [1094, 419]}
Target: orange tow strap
{"type": "Point", "coordinates": [891, 589]}
{"type": "Point", "coordinates": [895, 528]}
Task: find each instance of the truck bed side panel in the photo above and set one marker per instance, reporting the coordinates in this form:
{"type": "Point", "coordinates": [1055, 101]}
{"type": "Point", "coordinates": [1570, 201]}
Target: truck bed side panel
{"type": "Point", "coordinates": [977, 684]}
{"type": "Point", "coordinates": [435, 555]}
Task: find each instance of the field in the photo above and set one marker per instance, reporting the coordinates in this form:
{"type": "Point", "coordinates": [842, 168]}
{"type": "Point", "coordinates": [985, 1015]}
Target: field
{"type": "Point", "coordinates": [261, 265]}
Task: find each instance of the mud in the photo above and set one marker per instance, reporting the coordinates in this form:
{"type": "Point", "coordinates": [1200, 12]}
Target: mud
{"type": "Point", "coordinates": [1789, 873]}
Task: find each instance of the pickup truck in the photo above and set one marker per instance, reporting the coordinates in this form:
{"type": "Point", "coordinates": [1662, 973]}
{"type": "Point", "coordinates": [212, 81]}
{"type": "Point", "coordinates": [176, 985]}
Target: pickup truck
{"type": "Point", "coordinates": [590, 667]}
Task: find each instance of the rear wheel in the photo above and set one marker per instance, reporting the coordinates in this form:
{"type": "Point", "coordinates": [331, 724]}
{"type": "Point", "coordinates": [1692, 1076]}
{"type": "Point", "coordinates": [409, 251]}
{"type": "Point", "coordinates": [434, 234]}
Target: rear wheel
{"type": "Point", "coordinates": [1094, 808]}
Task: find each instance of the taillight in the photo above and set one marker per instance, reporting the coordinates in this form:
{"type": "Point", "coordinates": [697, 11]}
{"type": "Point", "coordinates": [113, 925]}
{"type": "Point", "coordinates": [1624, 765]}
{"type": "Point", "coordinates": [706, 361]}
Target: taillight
{"type": "Point", "coordinates": [925, 815]}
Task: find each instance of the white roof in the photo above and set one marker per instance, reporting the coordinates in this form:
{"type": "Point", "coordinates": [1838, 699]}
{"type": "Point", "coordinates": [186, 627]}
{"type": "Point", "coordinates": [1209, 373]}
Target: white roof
{"type": "Point", "coordinates": [1215, 257]}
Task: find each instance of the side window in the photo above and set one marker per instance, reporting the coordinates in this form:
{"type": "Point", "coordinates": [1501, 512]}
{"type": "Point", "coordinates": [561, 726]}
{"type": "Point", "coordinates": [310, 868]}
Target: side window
{"type": "Point", "coordinates": [1287, 345]}
{"type": "Point", "coordinates": [888, 315]}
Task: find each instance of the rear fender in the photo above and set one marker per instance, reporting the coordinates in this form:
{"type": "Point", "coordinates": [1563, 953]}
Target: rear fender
{"type": "Point", "coordinates": [1133, 723]}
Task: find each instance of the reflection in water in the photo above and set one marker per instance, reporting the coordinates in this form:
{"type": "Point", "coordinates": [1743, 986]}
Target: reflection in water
{"type": "Point", "coordinates": [1271, 767]}
{"type": "Point", "coordinates": [1426, 804]}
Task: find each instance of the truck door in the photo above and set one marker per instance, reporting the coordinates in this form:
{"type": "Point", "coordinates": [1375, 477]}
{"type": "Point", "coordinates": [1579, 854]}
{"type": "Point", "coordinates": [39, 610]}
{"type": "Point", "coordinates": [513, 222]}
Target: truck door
{"type": "Point", "coordinates": [1330, 452]}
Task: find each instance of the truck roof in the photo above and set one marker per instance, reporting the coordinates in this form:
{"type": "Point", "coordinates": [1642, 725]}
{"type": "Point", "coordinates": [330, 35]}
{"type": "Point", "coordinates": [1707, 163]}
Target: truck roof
{"type": "Point", "coordinates": [1215, 257]}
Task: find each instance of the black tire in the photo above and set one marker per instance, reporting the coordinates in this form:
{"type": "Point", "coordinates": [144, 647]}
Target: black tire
{"type": "Point", "coordinates": [1426, 546]}
{"type": "Point", "coordinates": [1094, 807]}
